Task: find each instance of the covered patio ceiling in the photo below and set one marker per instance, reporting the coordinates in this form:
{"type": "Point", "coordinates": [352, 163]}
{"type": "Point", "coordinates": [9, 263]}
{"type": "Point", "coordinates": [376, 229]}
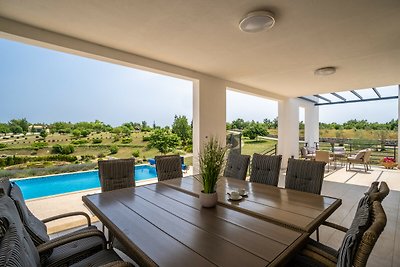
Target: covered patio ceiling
{"type": "Point", "coordinates": [360, 38]}
{"type": "Point", "coordinates": [353, 96]}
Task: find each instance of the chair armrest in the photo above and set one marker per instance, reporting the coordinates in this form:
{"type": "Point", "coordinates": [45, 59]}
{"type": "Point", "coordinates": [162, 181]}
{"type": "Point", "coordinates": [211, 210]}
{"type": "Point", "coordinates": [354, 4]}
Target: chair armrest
{"type": "Point", "coordinates": [62, 240]}
{"type": "Point", "coordinates": [335, 226]}
{"type": "Point", "coordinates": [118, 264]}
{"type": "Point", "coordinates": [69, 214]}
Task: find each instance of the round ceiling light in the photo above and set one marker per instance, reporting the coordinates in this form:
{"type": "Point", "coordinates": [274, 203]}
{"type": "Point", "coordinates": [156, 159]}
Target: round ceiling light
{"type": "Point", "coordinates": [325, 71]}
{"type": "Point", "coordinates": [257, 21]}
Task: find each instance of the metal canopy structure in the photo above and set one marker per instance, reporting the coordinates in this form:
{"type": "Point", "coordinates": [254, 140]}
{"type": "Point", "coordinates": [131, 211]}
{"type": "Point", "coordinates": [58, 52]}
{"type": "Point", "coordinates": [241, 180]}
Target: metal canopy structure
{"type": "Point", "coordinates": [353, 96]}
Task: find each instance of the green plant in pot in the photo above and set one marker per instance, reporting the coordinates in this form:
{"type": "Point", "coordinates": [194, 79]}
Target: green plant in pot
{"type": "Point", "coordinates": [212, 162]}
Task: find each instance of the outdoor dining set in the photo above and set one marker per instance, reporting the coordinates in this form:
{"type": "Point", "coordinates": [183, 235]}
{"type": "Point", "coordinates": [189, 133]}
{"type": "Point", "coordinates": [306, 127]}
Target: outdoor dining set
{"type": "Point", "coordinates": [255, 222]}
{"type": "Point", "coordinates": [338, 154]}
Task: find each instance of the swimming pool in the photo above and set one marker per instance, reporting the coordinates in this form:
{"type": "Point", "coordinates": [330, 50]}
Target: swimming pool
{"type": "Point", "coordinates": [71, 182]}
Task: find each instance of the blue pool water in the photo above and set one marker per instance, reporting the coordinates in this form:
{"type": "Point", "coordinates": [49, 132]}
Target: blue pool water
{"type": "Point", "coordinates": [71, 182]}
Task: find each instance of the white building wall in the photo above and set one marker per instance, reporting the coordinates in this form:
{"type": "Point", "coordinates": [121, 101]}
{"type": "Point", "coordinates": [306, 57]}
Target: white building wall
{"type": "Point", "coordinates": [209, 114]}
{"type": "Point", "coordinates": [288, 129]}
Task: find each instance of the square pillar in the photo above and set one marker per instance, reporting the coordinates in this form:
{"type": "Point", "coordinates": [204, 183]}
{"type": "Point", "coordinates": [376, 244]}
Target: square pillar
{"type": "Point", "coordinates": [209, 114]}
{"type": "Point", "coordinates": [288, 129]}
{"type": "Point", "coordinates": [398, 128]}
{"type": "Point", "coordinates": [311, 125]}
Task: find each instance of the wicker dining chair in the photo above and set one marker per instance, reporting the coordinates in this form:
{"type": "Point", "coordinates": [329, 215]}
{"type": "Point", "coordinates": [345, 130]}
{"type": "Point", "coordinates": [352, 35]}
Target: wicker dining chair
{"type": "Point", "coordinates": [360, 239]}
{"type": "Point", "coordinates": [306, 176]}
{"type": "Point", "coordinates": [37, 231]}
{"type": "Point", "coordinates": [168, 167]}
{"type": "Point", "coordinates": [265, 169]}
{"type": "Point", "coordinates": [236, 166]}
{"type": "Point", "coordinates": [18, 249]}
{"type": "Point", "coordinates": [116, 174]}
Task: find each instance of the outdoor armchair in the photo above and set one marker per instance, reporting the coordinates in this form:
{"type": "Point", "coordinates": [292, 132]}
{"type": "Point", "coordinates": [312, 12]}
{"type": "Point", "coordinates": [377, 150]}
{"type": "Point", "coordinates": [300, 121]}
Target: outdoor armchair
{"type": "Point", "coordinates": [116, 174]}
{"type": "Point", "coordinates": [265, 169]}
{"type": "Point", "coordinates": [37, 230]}
{"type": "Point", "coordinates": [307, 153]}
{"type": "Point", "coordinates": [18, 249]}
{"type": "Point", "coordinates": [362, 157]}
{"type": "Point", "coordinates": [236, 166]}
{"type": "Point", "coordinates": [368, 223]}
{"type": "Point", "coordinates": [168, 167]}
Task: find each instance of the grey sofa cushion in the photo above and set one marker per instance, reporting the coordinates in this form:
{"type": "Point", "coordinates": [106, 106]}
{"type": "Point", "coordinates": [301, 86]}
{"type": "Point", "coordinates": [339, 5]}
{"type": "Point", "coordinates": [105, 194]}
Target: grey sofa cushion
{"type": "Point", "coordinates": [36, 228]}
{"type": "Point", "coordinates": [354, 234]}
{"type": "Point", "coordinates": [16, 247]}
{"type": "Point", "coordinates": [5, 185]}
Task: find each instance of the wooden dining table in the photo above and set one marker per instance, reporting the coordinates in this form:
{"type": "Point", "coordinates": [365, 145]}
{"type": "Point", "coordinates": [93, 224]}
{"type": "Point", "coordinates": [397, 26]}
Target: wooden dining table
{"type": "Point", "coordinates": [291, 208]}
{"type": "Point", "coordinates": [162, 226]}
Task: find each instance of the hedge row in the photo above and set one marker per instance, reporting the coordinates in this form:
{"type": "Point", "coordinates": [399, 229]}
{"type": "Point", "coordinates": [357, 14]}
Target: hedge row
{"type": "Point", "coordinates": [13, 160]}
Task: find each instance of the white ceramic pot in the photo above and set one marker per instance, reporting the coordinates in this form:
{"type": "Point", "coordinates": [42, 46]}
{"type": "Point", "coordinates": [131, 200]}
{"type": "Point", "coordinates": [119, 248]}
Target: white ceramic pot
{"type": "Point", "coordinates": [208, 200]}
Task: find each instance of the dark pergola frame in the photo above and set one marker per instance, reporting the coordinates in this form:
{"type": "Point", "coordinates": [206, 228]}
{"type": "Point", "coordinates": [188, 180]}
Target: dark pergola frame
{"type": "Point", "coordinates": [344, 100]}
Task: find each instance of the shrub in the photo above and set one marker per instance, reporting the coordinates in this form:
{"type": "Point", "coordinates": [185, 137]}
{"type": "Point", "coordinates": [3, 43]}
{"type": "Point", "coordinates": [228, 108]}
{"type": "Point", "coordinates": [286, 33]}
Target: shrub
{"type": "Point", "coordinates": [116, 139]}
{"type": "Point", "coordinates": [101, 155]}
{"type": "Point", "coordinates": [39, 145]}
{"type": "Point", "coordinates": [146, 138]}
{"type": "Point", "coordinates": [188, 148]}
{"type": "Point", "coordinates": [3, 146]}
{"type": "Point", "coordinates": [79, 142]}
{"type": "Point", "coordinates": [136, 153]}
{"type": "Point", "coordinates": [114, 149]}
{"type": "Point", "coordinates": [126, 140]}
{"type": "Point", "coordinates": [87, 157]}
{"type": "Point", "coordinates": [65, 150]}
{"type": "Point", "coordinates": [97, 140]}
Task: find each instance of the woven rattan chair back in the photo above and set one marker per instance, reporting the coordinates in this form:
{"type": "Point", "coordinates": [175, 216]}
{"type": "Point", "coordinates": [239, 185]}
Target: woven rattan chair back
{"type": "Point", "coordinates": [168, 167]}
{"type": "Point", "coordinates": [371, 235]}
{"type": "Point", "coordinates": [265, 169]}
{"type": "Point", "coordinates": [116, 174]}
{"type": "Point", "coordinates": [236, 166]}
{"type": "Point", "coordinates": [306, 176]}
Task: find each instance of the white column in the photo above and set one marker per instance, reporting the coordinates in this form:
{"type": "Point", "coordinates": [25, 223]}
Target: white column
{"type": "Point", "coordinates": [311, 124]}
{"type": "Point", "coordinates": [398, 128]}
{"type": "Point", "coordinates": [209, 114]}
{"type": "Point", "coordinates": [288, 129]}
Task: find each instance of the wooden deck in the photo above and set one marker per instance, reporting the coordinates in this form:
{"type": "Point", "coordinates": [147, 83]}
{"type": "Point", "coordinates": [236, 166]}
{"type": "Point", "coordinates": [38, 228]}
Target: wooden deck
{"type": "Point", "coordinates": [349, 186]}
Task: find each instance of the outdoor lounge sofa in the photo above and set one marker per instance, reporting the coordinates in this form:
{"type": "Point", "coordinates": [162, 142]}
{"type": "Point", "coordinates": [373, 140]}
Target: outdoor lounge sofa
{"type": "Point", "coordinates": [18, 249]}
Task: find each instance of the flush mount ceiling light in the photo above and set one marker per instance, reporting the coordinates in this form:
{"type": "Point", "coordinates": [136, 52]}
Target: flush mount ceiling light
{"type": "Point", "coordinates": [257, 21]}
{"type": "Point", "coordinates": [325, 71]}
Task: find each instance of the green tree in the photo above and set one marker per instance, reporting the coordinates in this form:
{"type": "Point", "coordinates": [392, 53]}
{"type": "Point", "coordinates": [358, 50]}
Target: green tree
{"type": "Point", "coordinates": [239, 124]}
{"type": "Point", "coordinates": [43, 134]}
{"type": "Point", "coordinates": [182, 129]}
{"type": "Point", "coordinates": [16, 129]}
{"type": "Point", "coordinates": [4, 128]}
{"type": "Point", "coordinates": [255, 129]}
{"type": "Point", "coordinates": [164, 140]}
{"type": "Point", "coordinates": [23, 123]}
{"type": "Point", "coordinates": [85, 132]}
{"type": "Point", "coordinates": [76, 133]}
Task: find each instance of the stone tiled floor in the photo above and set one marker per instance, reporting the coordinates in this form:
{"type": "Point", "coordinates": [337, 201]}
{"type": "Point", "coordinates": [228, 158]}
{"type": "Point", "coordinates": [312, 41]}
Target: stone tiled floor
{"type": "Point", "coordinates": [347, 185]}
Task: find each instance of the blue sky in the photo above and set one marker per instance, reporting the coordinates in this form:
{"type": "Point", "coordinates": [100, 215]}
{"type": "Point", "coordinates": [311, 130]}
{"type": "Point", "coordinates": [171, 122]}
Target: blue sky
{"type": "Point", "coordinates": [47, 86]}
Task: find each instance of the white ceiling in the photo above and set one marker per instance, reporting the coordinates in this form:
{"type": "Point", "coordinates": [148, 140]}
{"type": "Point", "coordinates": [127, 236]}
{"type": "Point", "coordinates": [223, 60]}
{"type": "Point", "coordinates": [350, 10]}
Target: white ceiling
{"type": "Point", "coordinates": [359, 37]}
